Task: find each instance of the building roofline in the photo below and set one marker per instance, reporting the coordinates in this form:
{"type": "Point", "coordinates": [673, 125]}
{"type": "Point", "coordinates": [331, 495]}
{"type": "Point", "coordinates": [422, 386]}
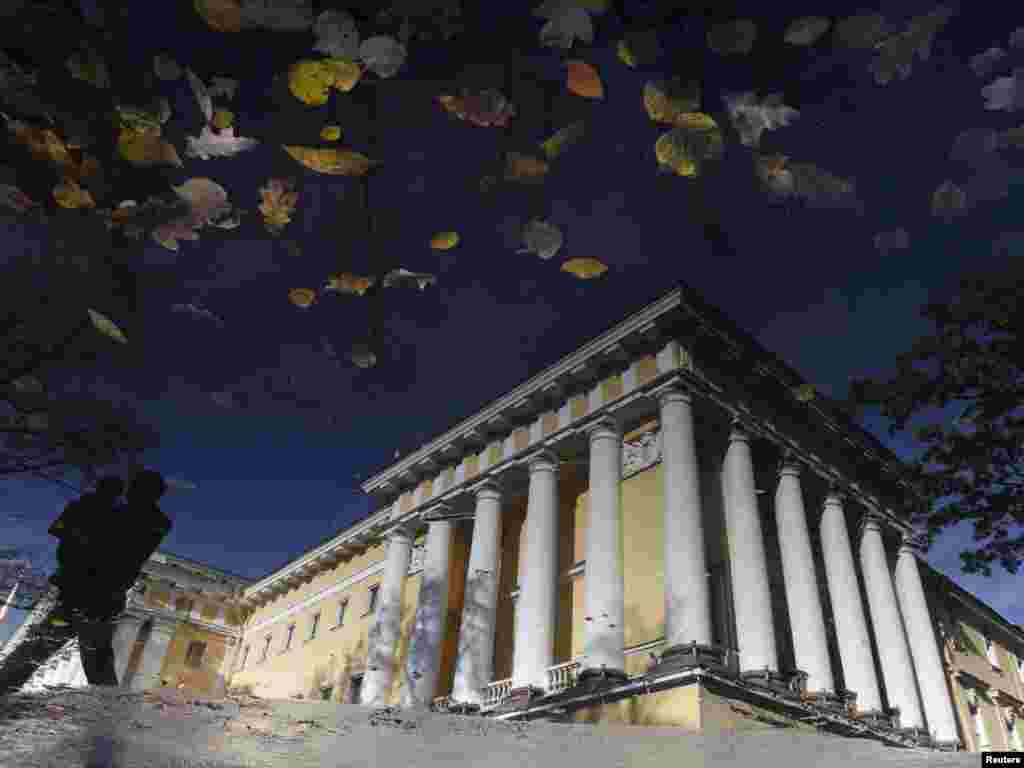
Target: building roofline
{"type": "Point", "coordinates": [974, 602]}
{"type": "Point", "coordinates": [188, 560]}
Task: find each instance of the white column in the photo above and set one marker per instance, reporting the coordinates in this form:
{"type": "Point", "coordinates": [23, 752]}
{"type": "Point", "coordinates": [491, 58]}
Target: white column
{"type": "Point", "coordinates": [474, 664]}
{"type": "Point", "coordinates": [747, 563]}
{"type": "Point", "coordinates": [537, 603]}
{"type": "Point", "coordinates": [227, 664]}
{"type": "Point", "coordinates": [893, 652]}
{"type": "Point", "coordinates": [153, 654]}
{"type": "Point", "coordinates": [847, 609]}
{"type": "Point", "coordinates": [387, 623]}
{"type": "Point", "coordinates": [422, 665]}
{"type": "Point", "coordinates": [806, 618]}
{"type": "Point", "coordinates": [938, 709]}
{"type": "Point", "coordinates": [687, 591]}
{"type": "Point", "coordinates": [604, 589]}
{"type": "Point", "coordinates": [125, 634]}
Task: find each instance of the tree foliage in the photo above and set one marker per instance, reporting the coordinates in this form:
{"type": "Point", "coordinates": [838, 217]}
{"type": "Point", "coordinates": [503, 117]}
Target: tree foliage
{"type": "Point", "coordinates": [970, 469]}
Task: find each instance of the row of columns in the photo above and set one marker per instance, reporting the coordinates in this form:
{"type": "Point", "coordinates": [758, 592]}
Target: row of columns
{"type": "Point", "coordinates": [687, 589]}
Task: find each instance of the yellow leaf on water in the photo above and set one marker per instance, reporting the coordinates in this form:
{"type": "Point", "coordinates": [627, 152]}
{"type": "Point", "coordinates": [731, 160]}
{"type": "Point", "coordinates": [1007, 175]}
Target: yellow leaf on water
{"type": "Point", "coordinates": [585, 268]}
{"type": "Point", "coordinates": [310, 80]}
{"type": "Point", "coordinates": [330, 133]}
{"type": "Point", "coordinates": [302, 297]}
{"type": "Point", "coordinates": [442, 241]}
{"type": "Point", "coordinates": [804, 393]}
{"type": "Point", "coordinates": [344, 73]}
{"type": "Point", "coordinates": [346, 282]}
{"type": "Point", "coordinates": [221, 15]}
{"type": "Point", "coordinates": [563, 139]}
{"type": "Point", "coordinates": [583, 80]}
{"type": "Point", "coordinates": [223, 118]}
{"type": "Point", "coordinates": [520, 167]}
{"type": "Point", "coordinates": [69, 195]}
{"type": "Point", "coordinates": [665, 102]}
{"type": "Point", "coordinates": [335, 162]}
{"type": "Point", "coordinates": [625, 55]}
{"type": "Point", "coordinates": [105, 325]}
{"type": "Point", "coordinates": [144, 149]}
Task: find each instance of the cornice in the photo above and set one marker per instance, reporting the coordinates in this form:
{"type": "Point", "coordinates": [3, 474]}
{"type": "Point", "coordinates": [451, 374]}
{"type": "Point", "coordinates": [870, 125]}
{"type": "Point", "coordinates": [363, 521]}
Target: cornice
{"type": "Point", "coordinates": [580, 365]}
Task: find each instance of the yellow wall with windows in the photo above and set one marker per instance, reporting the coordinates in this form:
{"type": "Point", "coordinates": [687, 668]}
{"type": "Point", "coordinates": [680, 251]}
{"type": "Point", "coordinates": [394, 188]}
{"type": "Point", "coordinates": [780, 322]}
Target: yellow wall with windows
{"type": "Point", "coordinates": [203, 679]}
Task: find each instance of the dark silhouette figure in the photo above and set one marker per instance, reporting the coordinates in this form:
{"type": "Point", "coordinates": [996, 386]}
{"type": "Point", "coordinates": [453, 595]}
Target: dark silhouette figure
{"type": "Point", "coordinates": [106, 545]}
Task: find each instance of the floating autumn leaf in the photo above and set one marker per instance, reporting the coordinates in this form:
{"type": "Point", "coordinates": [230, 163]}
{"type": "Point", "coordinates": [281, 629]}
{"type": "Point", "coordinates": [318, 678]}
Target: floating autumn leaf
{"type": "Point", "coordinates": [211, 143]}
{"type": "Point", "coordinates": [563, 139]}
{"type": "Point", "coordinates": [45, 145]}
{"type": "Point", "coordinates": [382, 55]}
{"type": "Point", "coordinates": [146, 149]}
{"type": "Point", "coordinates": [585, 268]}
{"type": "Point", "coordinates": [666, 101]}
{"type": "Point", "coordinates": [948, 201]}
{"type": "Point", "coordinates": [206, 200]}
{"type": "Point", "coordinates": [86, 64]}
{"type": "Point", "coordinates": [541, 238]}
{"type": "Point", "coordinates": [334, 162]}
{"type": "Point", "coordinates": [278, 200]}
{"type": "Point", "coordinates": [202, 96]}
{"type": "Point", "coordinates": [442, 241]}
{"type": "Point", "coordinates": [685, 148]}
{"type": "Point", "coordinates": [310, 81]}
{"type": "Point", "coordinates": [751, 118]}
{"type": "Point", "coordinates": [806, 30]}
{"type": "Point", "coordinates": [1005, 93]}
{"type": "Point", "coordinates": [13, 198]}
{"type": "Point", "coordinates": [583, 80]}
{"type": "Point", "coordinates": [401, 277]}
{"type": "Point", "coordinates": [106, 326]}
{"type": "Point", "coordinates": [625, 54]}
{"type": "Point", "coordinates": [147, 119]}
{"type": "Point", "coordinates": [566, 24]}
{"type": "Point", "coordinates": [804, 393]}
{"type": "Point", "coordinates": [345, 282]}
{"type": "Point", "coordinates": [733, 37]}
{"type": "Point", "coordinates": [484, 108]}
{"type": "Point", "coordinates": [524, 168]}
{"type": "Point", "coordinates": [895, 55]}
{"type": "Point", "coordinates": [222, 118]}
{"type": "Point", "coordinates": [864, 30]}
{"type": "Point", "coordinates": [69, 195]}
{"type": "Point", "coordinates": [336, 34]}
{"type": "Point", "coordinates": [166, 68]}
{"type": "Point", "coordinates": [302, 297]}
{"type": "Point", "coordinates": [771, 169]}
{"type": "Point", "coordinates": [363, 356]}
{"type": "Point", "coordinates": [221, 15]}
{"type": "Point", "coordinates": [330, 133]}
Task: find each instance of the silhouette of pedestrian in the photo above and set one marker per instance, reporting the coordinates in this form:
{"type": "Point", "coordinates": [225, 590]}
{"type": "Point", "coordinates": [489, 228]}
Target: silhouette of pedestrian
{"type": "Point", "coordinates": [109, 552]}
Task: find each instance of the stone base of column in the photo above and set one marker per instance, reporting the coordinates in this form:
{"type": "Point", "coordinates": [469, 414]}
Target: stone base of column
{"type": "Point", "coordinates": [827, 700]}
{"type": "Point", "coordinates": [781, 683]}
{"type": "Point", "coordinates": [919, 736]}
{"type": "Point", "coordinates": [947, 746]}
{"type": "Point", "coordinates": [680, 658]}
{"type": "Point", "coordinates": [874, 717]}
{"type": "Point", "coordinates": [593, 680]}
{"type": "Point", "coordinates": [518, 698]}
{"type": "Point", "coordinates": [463, 708]}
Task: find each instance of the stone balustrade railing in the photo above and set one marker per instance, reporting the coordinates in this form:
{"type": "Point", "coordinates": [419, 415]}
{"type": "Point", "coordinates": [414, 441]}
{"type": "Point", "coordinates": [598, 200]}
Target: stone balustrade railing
{"type": "Point", "coordinates": [562, 676]}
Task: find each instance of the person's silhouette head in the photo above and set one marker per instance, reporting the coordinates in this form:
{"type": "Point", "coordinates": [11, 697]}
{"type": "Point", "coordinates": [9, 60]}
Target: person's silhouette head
{"type": "Point", "coordinates": [147, 486]}
{"type": "Point", "coordinates": [109, 487]}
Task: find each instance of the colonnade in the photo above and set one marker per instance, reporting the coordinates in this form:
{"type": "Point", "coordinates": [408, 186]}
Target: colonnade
{"type": "Point", "coordinates": [910, 665]}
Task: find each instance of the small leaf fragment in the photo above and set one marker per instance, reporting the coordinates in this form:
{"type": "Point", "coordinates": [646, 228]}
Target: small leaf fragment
{"type": "Point", "coordinates": [302, 297]}
{"type": "Point", "coordinates": [584, 80]}
{"type": "Point", "coordinates": [442, 241]}
{"type": "Point", "coordinates": [106, 326]}
{"type": "Point", "coordinates": [585, 268]}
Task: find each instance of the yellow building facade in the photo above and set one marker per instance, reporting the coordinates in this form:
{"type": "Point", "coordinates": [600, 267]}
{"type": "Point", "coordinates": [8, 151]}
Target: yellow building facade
{"type": "Point", "coordinates": [666, 527]}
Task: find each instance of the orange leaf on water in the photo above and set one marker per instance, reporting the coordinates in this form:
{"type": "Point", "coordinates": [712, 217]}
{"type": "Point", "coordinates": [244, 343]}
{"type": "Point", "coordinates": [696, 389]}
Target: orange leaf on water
{"type": "Point", "coordinates": [583, 80]}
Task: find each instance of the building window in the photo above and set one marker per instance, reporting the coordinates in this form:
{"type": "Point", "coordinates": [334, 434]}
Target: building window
{"type": "Point", "coordinates": [288, 638]}
{"type": "Point", "coordinates": [355, 689]}
{"type": "Point", "coordinates": [266, 649]}
{"type": "Point", "coordinates": [245, 656]}
{"type": "Point", "coordinates": [314, 626]}
{"type": "Point", "coordinates": [990, 651]}
{"type": "Point", "coordinates": [194, 655]}
{"type": "Point", "coordinates": [373, 599]}
{"type": "Point", "coordinates": [981, 739]}
{"type": "Point", "coordinates": [1014, 741]}
{"type": "Point", "coordinates": [341, 612]}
